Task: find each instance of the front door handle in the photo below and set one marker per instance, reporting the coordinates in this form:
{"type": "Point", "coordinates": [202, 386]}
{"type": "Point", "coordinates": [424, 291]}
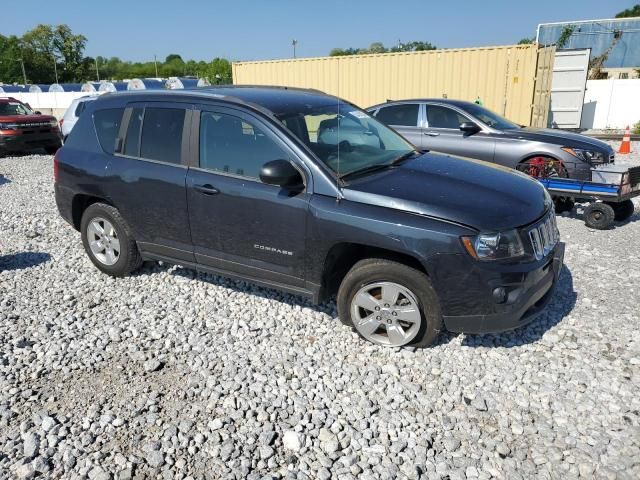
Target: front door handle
{"type": "Point", "coordinates": [432, 134]}
{"type": "Point", "coordinates": [206, 189]}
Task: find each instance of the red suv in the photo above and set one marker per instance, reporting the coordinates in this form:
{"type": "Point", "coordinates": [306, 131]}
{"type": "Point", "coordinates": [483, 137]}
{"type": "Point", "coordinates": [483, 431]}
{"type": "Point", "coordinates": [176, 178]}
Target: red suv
{"type": "Point", "coordinates": [23, 129]}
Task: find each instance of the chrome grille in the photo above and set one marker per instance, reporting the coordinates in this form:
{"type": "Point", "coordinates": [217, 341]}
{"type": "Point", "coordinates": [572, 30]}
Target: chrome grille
{"type": "Point", "coordinates": [544, 236]}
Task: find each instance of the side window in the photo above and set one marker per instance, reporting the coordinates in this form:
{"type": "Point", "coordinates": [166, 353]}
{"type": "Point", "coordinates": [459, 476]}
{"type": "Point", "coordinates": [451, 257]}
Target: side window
{"type": "Point", "coordinates": [80, 108]}
{"type": "Point", "coordinates": [443, 117]}
{"type": "Point", "coordinates": [107, 123]}
{"type": "Point", "coordinates": [231, 145]}
{"type": "Point", "coordinates": [405, 115]}
{"type": "Point", "coordinates": [162, 134]}
{"type": "Point", "coordinates": [132, 141]}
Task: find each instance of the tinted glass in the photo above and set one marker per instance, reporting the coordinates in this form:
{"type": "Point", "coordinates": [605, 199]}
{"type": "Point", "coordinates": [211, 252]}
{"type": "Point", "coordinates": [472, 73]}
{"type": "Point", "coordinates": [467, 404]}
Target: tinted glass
{"type": "Point", "coordinates": [107, 123]}
{"type": "Point", "coordinates": [346, 139]}
{"type": "Point", "coordinates": [489, 118]}
{"type": "Point", "coordinates": [404, 115]}
{"type": "Point", "coordinates": [14, 108]}
{"type": "Point", "coordinates": [231, 145]}
{"type": "Point", "coordinates": [443, 117]}
{"type": "Point", "coordinates": [80, 108]}
{"type": "Point", "coordinates": [132, 142]}
{"type": "Point", "coordinates": [162, 134]}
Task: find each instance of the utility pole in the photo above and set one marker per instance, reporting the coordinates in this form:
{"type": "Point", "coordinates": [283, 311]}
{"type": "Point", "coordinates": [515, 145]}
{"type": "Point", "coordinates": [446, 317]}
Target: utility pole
{"type": "Point", "coordinates": [24, 74]}
{"type": "Point", "coordinates": [155, 61]}
{"type": "Point", "coordinates": [55, 68]}
{"type": "Point", "coordinates": [294, 43]}
{"type": "Point", "coordinates": [97, 72]}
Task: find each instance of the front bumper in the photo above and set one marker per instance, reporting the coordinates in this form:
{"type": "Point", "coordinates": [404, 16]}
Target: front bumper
{"type": "Point", "coordinates": [23, 142]}
{"type": "Point", "coordinates": [469, 306]}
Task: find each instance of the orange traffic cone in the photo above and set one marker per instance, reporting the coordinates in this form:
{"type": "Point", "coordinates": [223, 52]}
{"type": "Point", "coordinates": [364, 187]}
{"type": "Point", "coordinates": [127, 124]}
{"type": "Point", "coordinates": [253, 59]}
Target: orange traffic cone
{"type": "Point", "coordinates": [625, 146]}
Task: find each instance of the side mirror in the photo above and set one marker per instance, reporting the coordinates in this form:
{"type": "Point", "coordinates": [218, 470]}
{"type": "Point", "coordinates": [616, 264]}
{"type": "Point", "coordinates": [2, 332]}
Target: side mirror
{"type": "Point", "coordinates": [38, 112]}
{"type": "Point", "coordinates": [280, 173]}
{"type": "Point", "coordinates": [469, 128]}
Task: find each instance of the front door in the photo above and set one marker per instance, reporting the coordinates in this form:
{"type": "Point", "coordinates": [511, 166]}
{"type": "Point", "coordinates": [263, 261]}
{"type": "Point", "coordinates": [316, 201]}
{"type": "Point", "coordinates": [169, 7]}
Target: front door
{"type": "Point", "coordinates": [442, 134]}
{"type": "Point", "coordinates": [238, 223]}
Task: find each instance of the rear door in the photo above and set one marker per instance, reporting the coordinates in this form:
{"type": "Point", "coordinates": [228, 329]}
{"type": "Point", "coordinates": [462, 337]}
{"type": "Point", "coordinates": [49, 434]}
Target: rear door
{"type": "Point", "coordinates": [147, 176]}
{"type": "Point", "coordinates": [404, 118]}
{"type": "Point", "coordinates": [442, 134]}
{"type": "Point", "coordinates": [238, 223]}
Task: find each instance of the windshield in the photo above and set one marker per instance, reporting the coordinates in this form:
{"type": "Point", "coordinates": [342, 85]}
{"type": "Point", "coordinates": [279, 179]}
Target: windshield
{"type": "Point", "coordinates": [346, 139]}
{"type": "Point", "coordinates": [488, 117]}
{"type": "Point", "coordinates": [14, 108]}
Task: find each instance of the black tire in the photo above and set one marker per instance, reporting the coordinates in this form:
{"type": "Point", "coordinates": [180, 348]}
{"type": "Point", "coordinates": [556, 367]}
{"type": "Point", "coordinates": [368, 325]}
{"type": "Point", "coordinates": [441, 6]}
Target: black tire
{"type": "Point", "coordinates": [599, 216]}
{"type": "Point", "coordinates": [129, 258]}
{"type": "Point", "coordinates": [51, 150]}
{"type": "Point", "coordinates": [623, 210]}
{"type": "Point", "coordinates": [374, 270]}
{"type": "Point", "coordinates": [563, 204]}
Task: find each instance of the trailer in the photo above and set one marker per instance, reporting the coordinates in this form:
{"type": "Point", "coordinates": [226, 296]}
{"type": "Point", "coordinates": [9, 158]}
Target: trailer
{"type": "Point", "coordinates": [608, 194]}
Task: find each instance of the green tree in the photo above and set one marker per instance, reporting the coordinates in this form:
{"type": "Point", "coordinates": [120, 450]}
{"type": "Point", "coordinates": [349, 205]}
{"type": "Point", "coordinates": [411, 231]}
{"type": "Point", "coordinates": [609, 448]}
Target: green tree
{"type": "Point", "coordinates": [526, 41]}
{"type": "Point", "coordinates": [10, 55]}
{"type": "Point", "coordinates": [630, 12]}
{"type": "Point", "coordinates": [45, 45]}
{"type": "Point", "coordinates": [219, 71]}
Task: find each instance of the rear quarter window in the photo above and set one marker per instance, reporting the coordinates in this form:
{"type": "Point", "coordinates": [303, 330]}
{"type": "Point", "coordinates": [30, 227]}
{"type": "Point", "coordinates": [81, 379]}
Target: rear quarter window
{"type": "Point", "coordinates": [107, 124]}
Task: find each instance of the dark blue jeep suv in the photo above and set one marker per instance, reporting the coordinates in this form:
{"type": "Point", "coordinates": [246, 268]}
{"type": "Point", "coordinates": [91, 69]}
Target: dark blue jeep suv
{"type": "Point", "coordinates": [301, 191]}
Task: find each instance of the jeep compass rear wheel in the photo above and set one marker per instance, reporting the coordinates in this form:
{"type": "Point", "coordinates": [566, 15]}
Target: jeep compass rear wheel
{"type": "Point", "coordinates": [390, 304]}
{"type": "Point", "coordinates": [107, 241]}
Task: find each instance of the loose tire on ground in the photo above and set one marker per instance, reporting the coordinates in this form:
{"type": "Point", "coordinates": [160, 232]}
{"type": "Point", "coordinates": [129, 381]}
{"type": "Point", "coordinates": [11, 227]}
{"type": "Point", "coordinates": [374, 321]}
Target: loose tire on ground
{"type": "Point", "coordinates": [623, 210]}
{"type": "Point", "coordinates": [414, 288]}
{"type": "Point", "coordinates": [128, 256]}
{"type": "Point", "coordinates": [599, 216]}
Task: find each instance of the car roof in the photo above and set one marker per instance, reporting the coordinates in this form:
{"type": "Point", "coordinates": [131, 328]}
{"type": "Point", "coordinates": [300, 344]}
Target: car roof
{"type": "Point", "coordinates": [444, 101]}
{"type": "Point", "coordinates": [276, 100]}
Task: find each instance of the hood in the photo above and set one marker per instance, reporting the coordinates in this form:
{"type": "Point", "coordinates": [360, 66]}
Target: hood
{"type": "Point", "coordinates": [557, 137]}
{"type": "Point", "coordinates": [19, 119]}
{"type": "Point", "coordinates": [484, 196]}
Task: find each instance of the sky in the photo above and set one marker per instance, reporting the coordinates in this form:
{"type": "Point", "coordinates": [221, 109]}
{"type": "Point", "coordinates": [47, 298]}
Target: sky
{"type": "Point", "coordinates": [264, 29]}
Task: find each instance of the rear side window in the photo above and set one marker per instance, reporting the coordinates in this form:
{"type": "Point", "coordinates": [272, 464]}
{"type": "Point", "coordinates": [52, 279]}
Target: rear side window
{"type": "Point", "coordinates": [162, 134]}
{"type": "Point", "coordinates": [107, 123]}
{"type": "Point", "coordinates": [405, 115]}
{"type": "Point", "coordinates": [80, 108]}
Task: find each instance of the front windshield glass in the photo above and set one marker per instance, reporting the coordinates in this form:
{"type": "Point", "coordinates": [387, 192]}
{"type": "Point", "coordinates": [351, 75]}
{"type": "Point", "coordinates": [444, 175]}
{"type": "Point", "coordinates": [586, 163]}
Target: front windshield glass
{"type": "Point", "coordinates": [14, 108]}
{"type": "Point", "coordinates": [346, 139]}
{"type": "Point", "coordinates": [488, 117]}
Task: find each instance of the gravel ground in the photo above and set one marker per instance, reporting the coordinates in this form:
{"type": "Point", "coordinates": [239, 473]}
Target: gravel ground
{"type": "Point", "coordinates": [174, 374]}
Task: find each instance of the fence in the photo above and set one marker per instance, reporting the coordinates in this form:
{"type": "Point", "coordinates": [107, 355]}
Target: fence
{"type": "Point", "coordinates": [504, 78]}
{"type": "Point", "coordinates": [611, 103]}
{"type": "Point", "coordinates": [50, 103]}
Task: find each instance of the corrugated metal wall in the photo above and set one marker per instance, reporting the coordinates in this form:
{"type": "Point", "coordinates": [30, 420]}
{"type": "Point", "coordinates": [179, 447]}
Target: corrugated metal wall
{"type": "Point", "coordinates": [502, 77]}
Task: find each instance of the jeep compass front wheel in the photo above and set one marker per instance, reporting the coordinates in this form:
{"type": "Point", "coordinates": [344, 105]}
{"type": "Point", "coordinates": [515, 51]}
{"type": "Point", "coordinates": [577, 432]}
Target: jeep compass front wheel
{"type": "Point", "coordinates": [107, 240]}
{"type": "Point", "coordinates": [390, 304]}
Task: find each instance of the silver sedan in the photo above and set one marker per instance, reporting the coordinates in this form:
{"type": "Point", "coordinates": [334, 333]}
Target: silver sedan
{"type": "Point", "coordinates": [470, 130]}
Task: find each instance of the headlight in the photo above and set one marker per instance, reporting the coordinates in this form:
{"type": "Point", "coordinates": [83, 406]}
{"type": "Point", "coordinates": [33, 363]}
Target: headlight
{"type": "Point", "coordinates": [590, 156]}
{"type": "Point", "coordinates": [53, 123]}
{"type": "Point", "coordinates": [494, 246]}
{"type": "Point", "coordinates": [7, 126]}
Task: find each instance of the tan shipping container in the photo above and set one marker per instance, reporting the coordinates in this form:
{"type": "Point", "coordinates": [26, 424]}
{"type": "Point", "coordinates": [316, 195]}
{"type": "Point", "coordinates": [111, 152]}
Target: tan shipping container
{"type": "Point", "coordinates": [503, 78]}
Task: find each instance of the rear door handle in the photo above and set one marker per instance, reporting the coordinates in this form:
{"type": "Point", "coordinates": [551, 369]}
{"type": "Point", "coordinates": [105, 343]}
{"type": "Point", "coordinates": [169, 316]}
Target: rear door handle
{"type": "Point", "coordinates": [432, 134]}
{"type": "Point", "coordinates": [206, 189]}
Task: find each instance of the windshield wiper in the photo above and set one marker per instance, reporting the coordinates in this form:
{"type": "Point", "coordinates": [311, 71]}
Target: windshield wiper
{"type": "Point", "coordinates": [369, 169]}
{"type": "Point", "coordinates": [404, 157]}
{"type": "Point", "coordinates": [380, 166]}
